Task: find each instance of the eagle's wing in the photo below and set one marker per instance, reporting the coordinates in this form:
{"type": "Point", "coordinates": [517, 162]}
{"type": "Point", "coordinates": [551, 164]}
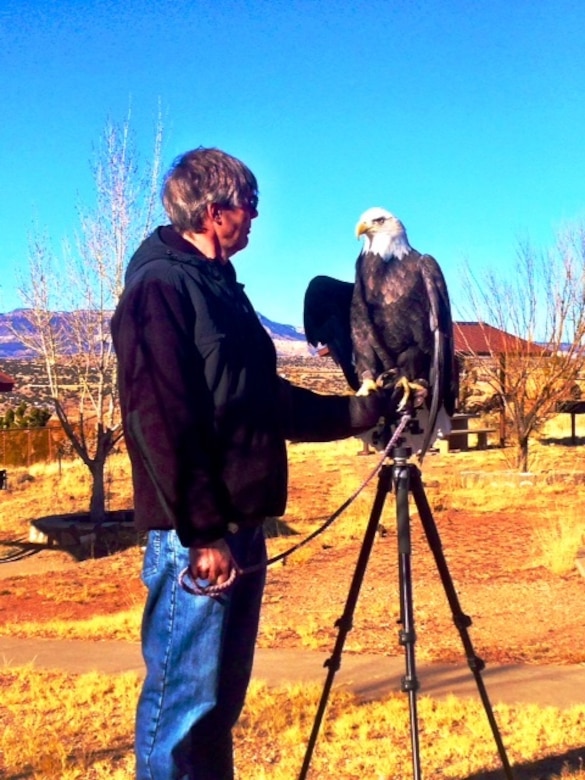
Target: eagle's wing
{"type": "Point", "coordinates": [326, 316]}
{"type": "Point", "coordinates": [443, 378]}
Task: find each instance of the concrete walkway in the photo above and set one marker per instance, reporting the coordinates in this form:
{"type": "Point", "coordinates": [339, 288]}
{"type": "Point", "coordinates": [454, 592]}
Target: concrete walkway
{"type": "Point", "coordinates": [369, 676]}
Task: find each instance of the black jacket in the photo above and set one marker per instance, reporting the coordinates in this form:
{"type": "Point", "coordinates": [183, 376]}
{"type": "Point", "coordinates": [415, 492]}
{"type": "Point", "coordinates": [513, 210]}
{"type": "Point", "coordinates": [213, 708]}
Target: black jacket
{"type": "Point", "coordinates": [205, 413]}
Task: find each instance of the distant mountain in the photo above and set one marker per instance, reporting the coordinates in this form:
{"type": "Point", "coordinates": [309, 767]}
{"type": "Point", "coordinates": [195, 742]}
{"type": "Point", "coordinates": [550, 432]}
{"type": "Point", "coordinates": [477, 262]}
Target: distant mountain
{"type": "Point", "coordinates": [10, 345]}
{"type": "Point", "coordinates": [278, 331]}
{"type": "Point", "coordinates": [287, 339]}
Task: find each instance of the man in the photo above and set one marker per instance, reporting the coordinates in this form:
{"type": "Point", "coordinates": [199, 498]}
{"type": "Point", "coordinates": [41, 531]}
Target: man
{"type": "Point", "coordinates": [206, 418]}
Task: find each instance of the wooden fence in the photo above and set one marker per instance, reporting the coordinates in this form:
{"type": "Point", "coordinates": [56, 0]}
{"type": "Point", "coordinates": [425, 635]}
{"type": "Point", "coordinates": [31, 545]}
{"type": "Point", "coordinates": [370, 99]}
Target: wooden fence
{"type": "Point", "coordinates": [25, 446]}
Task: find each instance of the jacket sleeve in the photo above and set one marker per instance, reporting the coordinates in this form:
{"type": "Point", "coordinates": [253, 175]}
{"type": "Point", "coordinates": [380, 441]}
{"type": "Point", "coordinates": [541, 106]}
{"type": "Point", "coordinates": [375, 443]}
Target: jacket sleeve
{"type": "Point", "coordinates": [167, 409]}
{"type": "Point", "coordinates": [310, 416]}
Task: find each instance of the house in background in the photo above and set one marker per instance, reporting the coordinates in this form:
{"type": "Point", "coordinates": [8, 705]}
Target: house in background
{"type": "Point", "coordinates": [478, 341]}
{"type": "Point", "coordinates": [6, 383]}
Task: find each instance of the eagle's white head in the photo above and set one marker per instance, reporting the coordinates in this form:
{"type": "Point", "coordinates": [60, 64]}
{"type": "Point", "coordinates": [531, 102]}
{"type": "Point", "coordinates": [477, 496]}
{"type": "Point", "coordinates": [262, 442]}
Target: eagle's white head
{"type": "Point", "coordinates": [384, 234]}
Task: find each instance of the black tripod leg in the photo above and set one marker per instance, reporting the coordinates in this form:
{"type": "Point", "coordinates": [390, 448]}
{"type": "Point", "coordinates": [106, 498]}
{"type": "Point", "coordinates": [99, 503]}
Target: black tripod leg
{"type": "Point", "coordinates": [401, 473]}
{"type": "Point", "coordinates": [345, 622]}
{"type": "Point", "coordinates": [462, 621]}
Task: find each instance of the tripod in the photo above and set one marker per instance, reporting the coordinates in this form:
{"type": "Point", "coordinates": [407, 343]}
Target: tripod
{"type": "Point", "coordinates": [406, 478]}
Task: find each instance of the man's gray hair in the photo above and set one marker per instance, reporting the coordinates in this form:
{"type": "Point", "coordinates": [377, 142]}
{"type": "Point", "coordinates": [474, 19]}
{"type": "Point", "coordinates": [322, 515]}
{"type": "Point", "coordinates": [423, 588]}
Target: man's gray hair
{"type": "Point", "coordinates": [204, 176]}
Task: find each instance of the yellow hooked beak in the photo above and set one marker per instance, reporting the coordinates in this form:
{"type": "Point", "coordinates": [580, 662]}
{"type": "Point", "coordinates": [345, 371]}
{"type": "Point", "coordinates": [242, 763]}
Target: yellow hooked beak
{"type": "Point", "coordinates": [361, 228]}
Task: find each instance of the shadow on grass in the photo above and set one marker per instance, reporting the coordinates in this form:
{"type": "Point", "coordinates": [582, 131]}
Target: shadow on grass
{"type": "Point", "coordinates": [113, 755]}
{"type": "Point", "coordinates": [274, 527]}
{"type": "Point", "coordinates": [544, 769]}
{"type": "Point", "coordinates": [18, 550]}
{"type": "Point", "coordinates": [564, 441]}
{"type": "Point", "coordinates": [81, 538]}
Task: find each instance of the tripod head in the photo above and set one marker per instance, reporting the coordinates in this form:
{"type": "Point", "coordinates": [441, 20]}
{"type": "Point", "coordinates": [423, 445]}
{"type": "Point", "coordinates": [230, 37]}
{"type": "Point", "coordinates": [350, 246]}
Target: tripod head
{"type": "Point", "coordinates": [400, 454]}
{"type": "Point", "coordinates": [380, 436]}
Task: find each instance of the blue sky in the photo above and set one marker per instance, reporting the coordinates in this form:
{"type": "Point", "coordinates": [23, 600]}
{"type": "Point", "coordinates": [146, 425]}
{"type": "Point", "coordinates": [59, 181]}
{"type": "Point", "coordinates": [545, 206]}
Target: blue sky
{"type": "Point", "coordinates": [465, 119]}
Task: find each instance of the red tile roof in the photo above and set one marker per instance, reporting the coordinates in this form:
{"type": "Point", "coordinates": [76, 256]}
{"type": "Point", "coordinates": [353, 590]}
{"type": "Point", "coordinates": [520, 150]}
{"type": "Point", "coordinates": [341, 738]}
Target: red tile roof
{"type": "Point", "coordinates": [6, 383]}
{"type": "Point", "coordinates": [478, 338]}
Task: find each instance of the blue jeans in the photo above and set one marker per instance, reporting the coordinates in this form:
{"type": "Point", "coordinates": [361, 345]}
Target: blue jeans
{"type": "Point", "coordinates": [198, 652]}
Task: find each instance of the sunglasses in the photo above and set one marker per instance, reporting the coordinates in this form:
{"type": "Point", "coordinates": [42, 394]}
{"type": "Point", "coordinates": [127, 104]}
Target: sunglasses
{"type": "Point", "coordinates": [251, 202]}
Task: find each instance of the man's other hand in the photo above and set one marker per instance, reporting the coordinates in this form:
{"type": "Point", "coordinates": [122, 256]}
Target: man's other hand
{"type": "Point", "coordinates": [213, 562]}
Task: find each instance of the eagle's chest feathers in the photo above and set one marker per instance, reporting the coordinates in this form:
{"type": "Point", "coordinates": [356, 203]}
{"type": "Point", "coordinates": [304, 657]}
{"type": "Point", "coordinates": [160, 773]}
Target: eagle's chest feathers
{"type": "Point", "coordinates": [392, 281]}
{"type": "Point", "coordinates": [394, 297]}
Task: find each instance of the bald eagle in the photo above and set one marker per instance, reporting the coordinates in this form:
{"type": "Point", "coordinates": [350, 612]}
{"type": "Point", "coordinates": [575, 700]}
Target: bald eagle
{"type": "Point", "coordinates": [395, 320]}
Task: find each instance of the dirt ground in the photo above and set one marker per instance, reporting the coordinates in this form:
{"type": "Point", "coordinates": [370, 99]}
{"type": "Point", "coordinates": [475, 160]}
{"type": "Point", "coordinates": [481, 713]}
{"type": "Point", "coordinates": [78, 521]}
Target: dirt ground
{"type": "Point", "coordinates": [520, 612]}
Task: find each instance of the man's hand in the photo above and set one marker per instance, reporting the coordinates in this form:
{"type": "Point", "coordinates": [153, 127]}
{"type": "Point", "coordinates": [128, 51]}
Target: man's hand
{"type": "Point", "coordinates": [213, 562]}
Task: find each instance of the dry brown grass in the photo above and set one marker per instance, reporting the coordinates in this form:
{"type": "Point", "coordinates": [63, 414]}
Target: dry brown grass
{"type": "Point", "coordinates": [61, 727]}
{"type": "Point", "coordinates": [511, 550]}
{"type": "Point", "coordinates": [52, 488]}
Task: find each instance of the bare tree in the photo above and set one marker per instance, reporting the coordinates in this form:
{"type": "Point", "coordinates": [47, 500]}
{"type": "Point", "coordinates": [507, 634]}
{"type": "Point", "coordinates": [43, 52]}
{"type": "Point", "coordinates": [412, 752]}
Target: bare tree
{"type": "Point", "coordinates": [538, 358]}
{"type": "Point", "coordinates": [69, 303]}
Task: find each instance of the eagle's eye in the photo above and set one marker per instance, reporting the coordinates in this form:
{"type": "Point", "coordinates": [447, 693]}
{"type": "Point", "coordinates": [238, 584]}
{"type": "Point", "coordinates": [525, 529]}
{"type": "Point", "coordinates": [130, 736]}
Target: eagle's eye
{"type": "Point", "coordinates": [379, 220]}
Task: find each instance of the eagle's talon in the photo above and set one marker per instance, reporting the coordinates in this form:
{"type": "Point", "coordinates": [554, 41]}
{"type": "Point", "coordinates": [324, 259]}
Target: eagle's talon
{"type": "Point", "coordinates": [420, 391]}
{"type": "Point", "coordinates": [414, 393]}
{"type": "Point", "coordinates": [367, 387]}
{"type": "Point", "coordinates": [387, 379]}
